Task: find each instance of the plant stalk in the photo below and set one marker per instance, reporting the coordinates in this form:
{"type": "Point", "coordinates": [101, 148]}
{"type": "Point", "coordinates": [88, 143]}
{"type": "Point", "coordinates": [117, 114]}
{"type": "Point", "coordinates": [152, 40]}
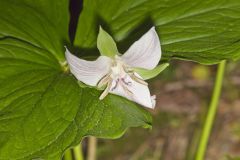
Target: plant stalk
{"type": "Point", "coordinates": [68, 155]}
{"type": "Point", "coordinates": [92, 147]}
{"type": "Point", "coordinates": [208, 124]}
{"type": "Point", "coordinates": [77, 151]}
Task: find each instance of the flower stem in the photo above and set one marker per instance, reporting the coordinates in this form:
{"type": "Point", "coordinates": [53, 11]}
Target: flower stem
{"type": "Point", "coordinates": [200, 154]}
{"type": "Point", "coordinates": [92, 147]}
{"type": "Point", "coordinates": [68, 155]}
{"type": "Point", "coordinates": [77, 151]}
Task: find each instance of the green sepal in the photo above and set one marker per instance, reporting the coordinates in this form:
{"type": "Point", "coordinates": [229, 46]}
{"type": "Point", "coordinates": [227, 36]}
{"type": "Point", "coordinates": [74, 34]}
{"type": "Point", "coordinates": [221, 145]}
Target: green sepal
{"type": "Point", "coordinates": [105, 44]}
{"type": "Point", "coordinates": [148, 74]}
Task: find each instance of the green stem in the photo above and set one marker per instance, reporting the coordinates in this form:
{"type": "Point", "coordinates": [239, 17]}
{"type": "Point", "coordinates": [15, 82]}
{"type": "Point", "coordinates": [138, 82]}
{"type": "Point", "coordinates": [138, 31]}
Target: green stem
{"type": "Point", "coordinates": [68, 155]}
{"type": "Point", "coordinates": [78, 152]}
{"type": "Point", "coordinates": [211, 112]}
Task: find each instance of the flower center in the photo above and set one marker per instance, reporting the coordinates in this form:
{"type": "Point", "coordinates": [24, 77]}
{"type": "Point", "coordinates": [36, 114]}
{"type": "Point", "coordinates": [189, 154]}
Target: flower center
{"type": "Point", "coordinates": [119, 76]}
{"type": "Point", "coordinates": [117, 70]}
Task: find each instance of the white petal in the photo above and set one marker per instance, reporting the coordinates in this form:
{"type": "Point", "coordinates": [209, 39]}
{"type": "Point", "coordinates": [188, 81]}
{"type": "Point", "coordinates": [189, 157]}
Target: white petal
{"type": "Point", "coordinates": [89, 72]}
{"type": "Point", "coordinates": [153, 99]}
{"type": "Point", "coordinates": [140, 93]}
{"type": "Point", "coordinates": [144, 53]}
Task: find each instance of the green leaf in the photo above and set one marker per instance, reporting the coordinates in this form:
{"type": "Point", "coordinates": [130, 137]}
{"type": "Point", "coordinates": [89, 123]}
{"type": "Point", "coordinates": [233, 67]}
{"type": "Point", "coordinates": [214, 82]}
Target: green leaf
{"type": "Point", "coordinates": [148, 74]}
{"type": "Point", "coordinates": [43, 24]}
{"type": "Point", "coordinates": [202, 31]}
{"type": "Point", "coordinates": [106, 44]}
{"type": "Point", "coordinates": [43, 109]}
{"type": "Point", "coordinates": [45, 112]}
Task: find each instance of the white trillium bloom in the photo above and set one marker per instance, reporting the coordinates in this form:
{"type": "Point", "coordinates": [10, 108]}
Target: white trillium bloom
{"type": "Point", "coordinates": [116, 72]}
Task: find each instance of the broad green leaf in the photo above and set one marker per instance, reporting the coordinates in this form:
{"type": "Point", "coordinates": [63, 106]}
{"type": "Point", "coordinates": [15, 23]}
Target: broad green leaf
{"type": "Point", "coordinates": [148, 74]}
{"type": "Point", "coordinates": [43, 109]}
{"type": "Point", "coordinates": [105, 44]}
{"type": "Point", "coordinates": [41, 23]}
{"type": "Point", "coordinates": [45, 112]}
{"type": "Point", "coordinates": [202, 31]}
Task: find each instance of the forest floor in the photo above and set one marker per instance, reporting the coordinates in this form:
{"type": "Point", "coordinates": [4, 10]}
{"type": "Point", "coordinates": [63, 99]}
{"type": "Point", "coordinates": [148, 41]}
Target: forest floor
{"type": "Point", "coordinates": [183, 93]}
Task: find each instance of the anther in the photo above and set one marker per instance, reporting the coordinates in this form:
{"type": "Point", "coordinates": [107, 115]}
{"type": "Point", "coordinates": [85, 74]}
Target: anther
{"type": "Point", "coordinates": [125, 82]}
{"type": "Point", "coordinates": [115, 86]}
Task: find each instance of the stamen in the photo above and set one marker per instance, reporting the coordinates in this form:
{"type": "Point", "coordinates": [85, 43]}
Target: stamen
{"type": "Point", "coordinates": [106, 91]}
{"type": "Point", "coordinates": [115, 85]}
{"type": "Point", "coordinates": [137, 79]}
{"type": "Point", "coordinates": [125, 82]}
{"type": "Point", "coordinates": [130, 72]}
{"type": "Point", "coordinates": [104, 80]}
{"type": "Point", "coordinates": [127, 90]}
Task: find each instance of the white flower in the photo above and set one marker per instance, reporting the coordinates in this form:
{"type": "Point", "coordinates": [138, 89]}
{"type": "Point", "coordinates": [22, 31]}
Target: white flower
{"type": "Point", "coordinates": [121, 74]}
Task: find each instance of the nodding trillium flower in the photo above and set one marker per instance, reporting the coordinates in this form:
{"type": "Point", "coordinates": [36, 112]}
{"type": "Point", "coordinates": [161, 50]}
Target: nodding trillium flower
{"type": "Point", "coordinates": [122, 75]}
